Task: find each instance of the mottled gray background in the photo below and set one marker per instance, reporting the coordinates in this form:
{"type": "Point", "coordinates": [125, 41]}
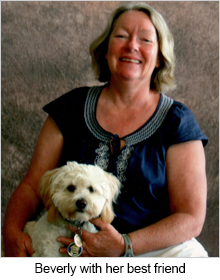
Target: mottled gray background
{"type": "Point", "coordinates": [44, 54]}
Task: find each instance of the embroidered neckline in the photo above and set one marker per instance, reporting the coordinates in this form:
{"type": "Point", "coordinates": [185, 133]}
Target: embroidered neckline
{"type": "Point", "coordinates": [148, 129]}
{"type": "Point", "coordinates": [103, 151]}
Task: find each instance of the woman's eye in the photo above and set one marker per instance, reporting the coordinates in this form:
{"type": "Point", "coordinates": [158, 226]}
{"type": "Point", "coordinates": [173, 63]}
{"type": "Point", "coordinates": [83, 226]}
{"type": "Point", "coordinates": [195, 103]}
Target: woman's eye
{"type": "Point", "coordinates": [146, 40]}
{"type": "Point", "coordinates": [71, 188]}
{"type": "Point", "coordinates": [120, 36]}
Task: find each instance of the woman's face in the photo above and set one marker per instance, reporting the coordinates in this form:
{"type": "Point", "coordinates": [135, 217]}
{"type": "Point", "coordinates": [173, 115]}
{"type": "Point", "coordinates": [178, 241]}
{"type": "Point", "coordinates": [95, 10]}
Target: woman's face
{"type": "Point", "coordinates": [133, 47]}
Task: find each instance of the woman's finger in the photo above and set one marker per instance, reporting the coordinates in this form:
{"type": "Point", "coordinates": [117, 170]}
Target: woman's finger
{"type": "Point", "coordinates": [63, 250]}
{"type": "Point", "coordinates": [64, 240]}
{"type": "Point", "coordinates": [28, 245]}
{"type": "Point", "coordinates": [98, 222]}
{"type": "Point", "coordinates": [84, 252]}
{"type": "Point", "coordinates": [71, 228]}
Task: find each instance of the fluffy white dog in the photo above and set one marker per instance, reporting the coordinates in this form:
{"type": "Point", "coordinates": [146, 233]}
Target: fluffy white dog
{"type": "Point", "coordinates": [72, 193]}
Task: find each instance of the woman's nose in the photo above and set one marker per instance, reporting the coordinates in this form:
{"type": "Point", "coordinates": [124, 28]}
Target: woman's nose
{"type": "Point", "coordinates": [132, 44]}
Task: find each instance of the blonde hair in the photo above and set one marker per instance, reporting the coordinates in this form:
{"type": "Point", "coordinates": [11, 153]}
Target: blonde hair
{"type": "Point", "coordinates": [162, 78]}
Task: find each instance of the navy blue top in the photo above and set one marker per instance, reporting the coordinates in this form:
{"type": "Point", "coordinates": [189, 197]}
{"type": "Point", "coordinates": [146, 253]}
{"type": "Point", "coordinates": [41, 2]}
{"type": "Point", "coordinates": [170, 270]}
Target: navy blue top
{"type": "Point", "coordinates": [140, 165]}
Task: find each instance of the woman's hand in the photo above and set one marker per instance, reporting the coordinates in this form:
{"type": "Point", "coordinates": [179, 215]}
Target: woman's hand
{"type": "Point", "coordinates": [19, 245]}
{"type": "Point", "coordinates": [107, 242]}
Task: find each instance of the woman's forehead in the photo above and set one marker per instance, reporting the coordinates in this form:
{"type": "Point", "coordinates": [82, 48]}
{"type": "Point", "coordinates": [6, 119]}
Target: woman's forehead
{"type": "Point", "coordinates": [135, 19]}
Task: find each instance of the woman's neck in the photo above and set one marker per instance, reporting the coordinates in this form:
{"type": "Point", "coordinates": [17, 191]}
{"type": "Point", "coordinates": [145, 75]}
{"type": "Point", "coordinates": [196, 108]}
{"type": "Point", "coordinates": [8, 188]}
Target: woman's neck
{"type": "Point", "coordinates": [128, 94]}
{"type": "Point", "coordinates": [122, 112]}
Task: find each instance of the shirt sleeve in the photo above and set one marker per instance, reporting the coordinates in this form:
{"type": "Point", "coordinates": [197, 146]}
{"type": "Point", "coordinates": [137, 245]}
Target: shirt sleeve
{"type": "Point", "coordinates": [63, 110]}
{"type": "Point", "coordinates": [183, 126]}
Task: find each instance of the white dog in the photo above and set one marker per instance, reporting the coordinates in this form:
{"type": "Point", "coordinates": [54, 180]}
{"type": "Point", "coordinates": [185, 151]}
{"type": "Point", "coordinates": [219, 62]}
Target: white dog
{"type": "Point", "coordinates": [72, 193]}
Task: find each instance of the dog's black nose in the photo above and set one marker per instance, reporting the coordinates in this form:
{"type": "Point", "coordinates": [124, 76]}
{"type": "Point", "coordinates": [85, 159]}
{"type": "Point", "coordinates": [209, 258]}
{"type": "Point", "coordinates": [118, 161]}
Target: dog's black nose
{"type": "Point", "coordinates": [81, 204]}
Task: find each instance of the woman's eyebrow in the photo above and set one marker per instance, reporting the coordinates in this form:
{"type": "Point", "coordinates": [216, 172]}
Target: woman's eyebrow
{"type": "Point", "coordinates": [147, 31]}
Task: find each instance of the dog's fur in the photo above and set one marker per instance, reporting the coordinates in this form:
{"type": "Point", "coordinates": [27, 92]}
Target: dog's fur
{"type": "Point", "coordinates": [74, 192]}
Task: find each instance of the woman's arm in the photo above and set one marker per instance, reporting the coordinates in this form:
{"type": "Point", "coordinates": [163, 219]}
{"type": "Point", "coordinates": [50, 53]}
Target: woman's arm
{"type": "Point", "coordinates": [25, 200]}
{"type": "Point", "coordinates": [187, 193]}
{"type": "Point", "coordinates": [187, 186]}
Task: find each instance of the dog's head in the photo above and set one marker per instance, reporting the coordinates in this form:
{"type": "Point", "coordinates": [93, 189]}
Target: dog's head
{"type": "Point", "coordinates": [79, 192]}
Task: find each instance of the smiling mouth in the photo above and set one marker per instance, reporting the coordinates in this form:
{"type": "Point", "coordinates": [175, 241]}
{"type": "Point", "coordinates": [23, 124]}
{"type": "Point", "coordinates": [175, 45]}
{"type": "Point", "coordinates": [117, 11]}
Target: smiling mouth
{"type": "Point", "coordinates": [130, 60]}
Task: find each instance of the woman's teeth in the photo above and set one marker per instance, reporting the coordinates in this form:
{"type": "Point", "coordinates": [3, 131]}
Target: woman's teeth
{"type": "Point", "coordinates": [130, 60]}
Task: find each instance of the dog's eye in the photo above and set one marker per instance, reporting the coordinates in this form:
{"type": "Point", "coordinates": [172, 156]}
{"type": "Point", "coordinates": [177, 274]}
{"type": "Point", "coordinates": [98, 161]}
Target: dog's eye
{"type": "Point", "coordinates": [91, 189]}
{"type": "Point", "coordinates": [71, 188]}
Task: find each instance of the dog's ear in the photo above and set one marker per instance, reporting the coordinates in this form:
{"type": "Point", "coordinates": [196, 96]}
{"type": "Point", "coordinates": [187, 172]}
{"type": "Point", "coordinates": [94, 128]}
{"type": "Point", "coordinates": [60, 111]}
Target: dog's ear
{"type": "Point", "coordinates": [46, 193]}
{"type": "Point", "coordinates": [107, 214]}
{"type": "Point", "coordinates": [53, 213]}
{"type": "Point", "coordinates": [114, 186]}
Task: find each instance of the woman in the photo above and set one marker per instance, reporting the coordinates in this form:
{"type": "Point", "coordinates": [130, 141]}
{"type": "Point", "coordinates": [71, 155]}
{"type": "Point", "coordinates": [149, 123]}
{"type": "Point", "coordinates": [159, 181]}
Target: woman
{"type": "Point", "coordinates": [150, 142]}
